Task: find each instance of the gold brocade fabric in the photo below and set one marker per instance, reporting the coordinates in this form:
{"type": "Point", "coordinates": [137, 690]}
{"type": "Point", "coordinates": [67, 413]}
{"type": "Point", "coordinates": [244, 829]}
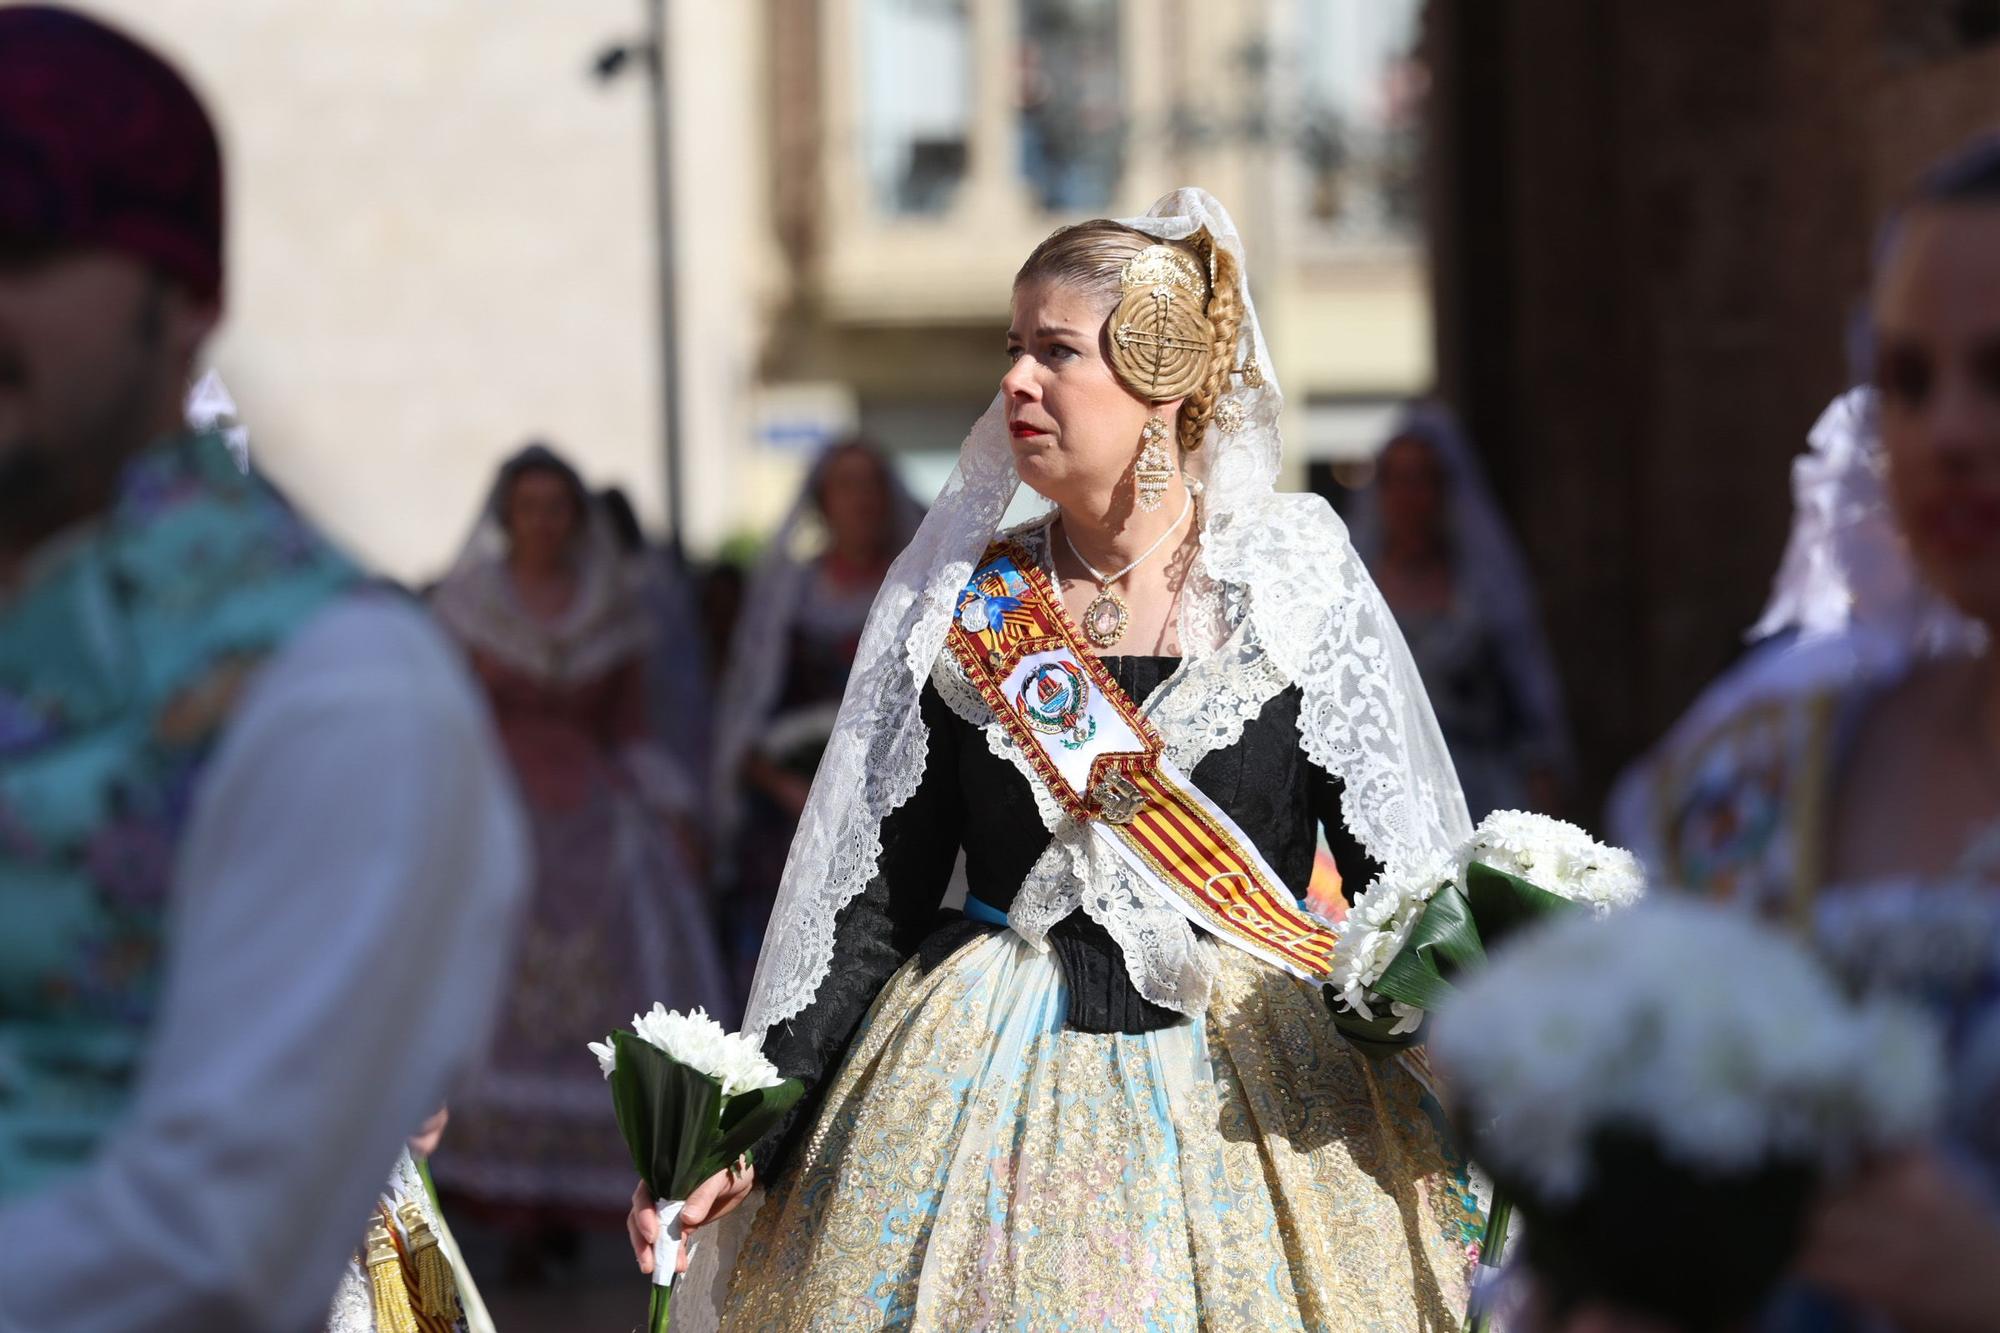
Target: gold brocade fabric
{"type": "Point", "coordinates": [976, 1166]}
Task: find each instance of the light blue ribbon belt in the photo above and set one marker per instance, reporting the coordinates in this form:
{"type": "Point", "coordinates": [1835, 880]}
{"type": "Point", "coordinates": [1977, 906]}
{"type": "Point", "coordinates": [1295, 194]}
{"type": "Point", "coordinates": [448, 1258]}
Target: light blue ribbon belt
{"type": "Point", "coordinates": [981, 911]}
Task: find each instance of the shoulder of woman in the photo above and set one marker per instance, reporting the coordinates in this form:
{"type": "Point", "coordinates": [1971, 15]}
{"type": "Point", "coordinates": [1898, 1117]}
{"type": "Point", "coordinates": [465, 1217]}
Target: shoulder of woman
{"type": "Point", "coordinates": [461, 595]}
{"type": "Point", "coordinates": [1303, 511]}
{"type": "Point", "coordinates": [631, 586]}
{"type": "Point", "coordinates": [1289, 527]}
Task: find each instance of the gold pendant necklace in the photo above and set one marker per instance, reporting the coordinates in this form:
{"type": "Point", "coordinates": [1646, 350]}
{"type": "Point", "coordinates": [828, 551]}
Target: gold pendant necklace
{"type": "Point", "coordinates": [1105, 619]}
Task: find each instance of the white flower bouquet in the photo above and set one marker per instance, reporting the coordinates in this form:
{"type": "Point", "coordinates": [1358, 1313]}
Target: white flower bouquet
{"type": "Point", "coordinates": [1407, 935]}
{"type": "Point", "coordinates": [1672, 1085]}
{"type": "Point", "coordinates": [691, 1098]}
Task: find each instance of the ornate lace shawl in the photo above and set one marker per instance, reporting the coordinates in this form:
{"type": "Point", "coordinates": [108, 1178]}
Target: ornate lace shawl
{"type": "Point", "coordinates": [605, 625]}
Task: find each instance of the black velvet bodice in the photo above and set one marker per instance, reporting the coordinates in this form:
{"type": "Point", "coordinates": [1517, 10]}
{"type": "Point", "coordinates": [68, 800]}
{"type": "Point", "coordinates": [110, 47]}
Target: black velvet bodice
{"type": "Point", "coordinates": [972, 799]}
{"type": "Point", "coordinates": [1264, 781]}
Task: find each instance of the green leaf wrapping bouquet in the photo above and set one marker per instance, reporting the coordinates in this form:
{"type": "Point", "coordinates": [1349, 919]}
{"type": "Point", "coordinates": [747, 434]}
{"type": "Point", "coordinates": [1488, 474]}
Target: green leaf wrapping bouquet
{"type": "Point", "coordinates": [690, 1098]}
{"type": "Point", "coordinates": [1408, 936]}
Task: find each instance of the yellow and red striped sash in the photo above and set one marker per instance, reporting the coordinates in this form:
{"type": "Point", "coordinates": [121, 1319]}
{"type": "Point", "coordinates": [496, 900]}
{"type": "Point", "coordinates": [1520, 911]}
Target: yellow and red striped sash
{"type": "Point", "coordinates": [1106, 766]}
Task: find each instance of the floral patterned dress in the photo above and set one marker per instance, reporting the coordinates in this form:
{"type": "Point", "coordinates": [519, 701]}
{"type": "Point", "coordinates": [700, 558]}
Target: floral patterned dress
{"type": "Point", "coordinates": [1002, 1138]}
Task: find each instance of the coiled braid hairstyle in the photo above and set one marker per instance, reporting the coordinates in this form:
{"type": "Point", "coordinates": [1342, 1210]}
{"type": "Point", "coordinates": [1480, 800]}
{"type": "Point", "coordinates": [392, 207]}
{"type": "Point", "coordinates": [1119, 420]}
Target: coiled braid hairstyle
{"type": "Point", "coordinates": [1091, 255]}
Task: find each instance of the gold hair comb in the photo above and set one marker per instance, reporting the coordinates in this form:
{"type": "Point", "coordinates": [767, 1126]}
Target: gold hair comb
{"type": "Point", "coordinates": [1163, 266]}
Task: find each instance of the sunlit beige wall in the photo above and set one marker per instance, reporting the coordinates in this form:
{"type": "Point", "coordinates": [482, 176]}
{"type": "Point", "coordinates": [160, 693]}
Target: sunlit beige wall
{"type": "Point", "coordinates": [442, 245]}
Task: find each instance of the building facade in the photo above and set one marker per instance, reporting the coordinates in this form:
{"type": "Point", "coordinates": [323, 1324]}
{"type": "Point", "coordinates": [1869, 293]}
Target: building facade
{"type": "Point", "coordinates": [921, 148]}
{"type": "Point", "coordinates": [443, 238]}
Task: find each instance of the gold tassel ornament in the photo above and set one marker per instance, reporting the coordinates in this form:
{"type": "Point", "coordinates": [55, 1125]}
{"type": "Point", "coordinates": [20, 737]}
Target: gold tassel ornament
{"type": "Point", "coordinates": [436, 1289]}
{"type": "Point", "coordinates": [393, 1313]}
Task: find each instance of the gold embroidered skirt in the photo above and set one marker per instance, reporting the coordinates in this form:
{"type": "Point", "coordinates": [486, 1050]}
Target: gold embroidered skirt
{"type": "Point", "coordinates": [977, 1166]}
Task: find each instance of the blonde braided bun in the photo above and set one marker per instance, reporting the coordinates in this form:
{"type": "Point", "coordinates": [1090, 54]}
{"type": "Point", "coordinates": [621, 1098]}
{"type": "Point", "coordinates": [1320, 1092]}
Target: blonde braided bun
{"type": "Point", "coordinates": [1160, 338]}
{"type": "Point", "coordinates": [1166, 341]}
{"type": "Point", "coordinates": [1225, 323]}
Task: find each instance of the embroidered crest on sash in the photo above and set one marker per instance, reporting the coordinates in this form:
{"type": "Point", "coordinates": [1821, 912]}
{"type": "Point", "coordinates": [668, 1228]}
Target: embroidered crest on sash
{"type": "Point", "coordinates": [1105, 765]}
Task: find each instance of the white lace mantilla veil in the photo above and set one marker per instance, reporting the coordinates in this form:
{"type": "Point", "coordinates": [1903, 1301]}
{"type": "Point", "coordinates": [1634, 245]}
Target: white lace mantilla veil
{"type": "Point", "coordinates": [1845, 564]}
{"type": "Point", "coordinates": [1277, 597]}
{"type": "Point", "coordinates": [760, 645]}
{"type": "Point", "coordinates": [1487, 564]}
{"type": "Point", "coordinates": [1847, 606]}
{"type": "Point", "coordinates": [604, 624]}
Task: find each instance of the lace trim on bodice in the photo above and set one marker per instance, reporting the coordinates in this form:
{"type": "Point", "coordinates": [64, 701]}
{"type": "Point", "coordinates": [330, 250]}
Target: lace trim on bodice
{"type": "Point", "coordinates": [1364, 716]}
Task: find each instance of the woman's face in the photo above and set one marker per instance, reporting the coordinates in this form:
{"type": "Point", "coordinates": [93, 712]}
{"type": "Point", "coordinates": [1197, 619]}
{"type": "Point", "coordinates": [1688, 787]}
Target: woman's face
{"type": "Point", "coordinates": [541, 517]}
{"type": "Point", "coordinates": [854, 499]}
{"type": "Point", "coordinates": [1410, 489]}
{"type": "Point", "coordinates": [1937, 368]}
{"type": "Point", "coordinates": [1074, 427]}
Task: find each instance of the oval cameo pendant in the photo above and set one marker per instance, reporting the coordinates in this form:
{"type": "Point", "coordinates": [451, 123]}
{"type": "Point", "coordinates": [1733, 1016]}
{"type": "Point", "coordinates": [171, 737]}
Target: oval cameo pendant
{"type": "Point", "coordinates": [1104, 619]}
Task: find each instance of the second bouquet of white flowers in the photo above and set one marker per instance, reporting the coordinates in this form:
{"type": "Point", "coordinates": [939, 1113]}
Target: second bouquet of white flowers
{"type": "Point", "coordinates": [691, 1098]}
{"type": "Point", "coordinates": [1407, 935]}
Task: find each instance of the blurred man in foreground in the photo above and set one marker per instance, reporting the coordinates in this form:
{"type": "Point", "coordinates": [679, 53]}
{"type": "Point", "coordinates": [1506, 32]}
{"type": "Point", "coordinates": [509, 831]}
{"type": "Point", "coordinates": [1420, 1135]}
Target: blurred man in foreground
{"type": "Point", "coordinates": [259, 862]}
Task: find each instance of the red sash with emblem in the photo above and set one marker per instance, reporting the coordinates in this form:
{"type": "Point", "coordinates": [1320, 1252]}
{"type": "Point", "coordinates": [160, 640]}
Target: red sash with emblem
{"type": "Point", "coordinates": [1106, 766]}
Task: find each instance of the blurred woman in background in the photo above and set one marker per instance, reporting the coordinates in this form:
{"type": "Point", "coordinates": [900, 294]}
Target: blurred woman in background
{"type": "Point", "coordinates": [556, 627]}
{"type": "Point", "coordinates": [1448, 566]}
{"type": "Point", "coordinates": [793, 645]}
{"type": "Point", "coordinates": [1856, 792]}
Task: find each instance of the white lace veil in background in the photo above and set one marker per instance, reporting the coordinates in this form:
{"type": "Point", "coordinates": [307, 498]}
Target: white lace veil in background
{"type": "Point", "coordinates": [1847, 606]}
{"type": "Point", "coordinates": [210, 407]}
{"type": "Point", "coordinates": [1845, 565]}
{"type": "Point", "coordinates": [760, 649]}
{"type": "Point", "coordinates": [1488, 570]}
{"type": "Point", "coordinates": [605, 623]}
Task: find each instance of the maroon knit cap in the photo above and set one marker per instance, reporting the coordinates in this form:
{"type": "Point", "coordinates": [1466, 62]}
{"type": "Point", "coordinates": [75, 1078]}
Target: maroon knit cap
{"type": "Point", "coordinates": [103, 144]}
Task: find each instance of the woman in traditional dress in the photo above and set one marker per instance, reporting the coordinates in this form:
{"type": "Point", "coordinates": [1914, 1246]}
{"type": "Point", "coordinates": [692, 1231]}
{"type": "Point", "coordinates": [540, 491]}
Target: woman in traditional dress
{"type": "Point", "coordinates": [1868, 748]}
{"type": "Point", "coordinates": [1108, 1094]}
{"type": "Point", "coordinates": [1449, 567]}
{"type": "Point", "coordinates": [1854, 776]}
{"type": "Point", "coordinates": [557, 632]}
{"type": "Point", "coordinates": [1706, 806]}
{"type": "Point", "coordinates": [788, 662]}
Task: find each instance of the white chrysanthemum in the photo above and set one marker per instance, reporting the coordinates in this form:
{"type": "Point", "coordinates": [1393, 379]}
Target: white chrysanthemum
{"type": "Point", "coordinates": [1723, 1041]}
{"type": "Point", "coordinates": [702, 1044]}
{"type": "Point", "coordinates": [606, 1052]}
{"type": "Point", "coordinates": [1374, 932]}
{"type": "Point", "coordinates": [1558, 857]}
{"type": "Point", "coordinates": [1555, 856]}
